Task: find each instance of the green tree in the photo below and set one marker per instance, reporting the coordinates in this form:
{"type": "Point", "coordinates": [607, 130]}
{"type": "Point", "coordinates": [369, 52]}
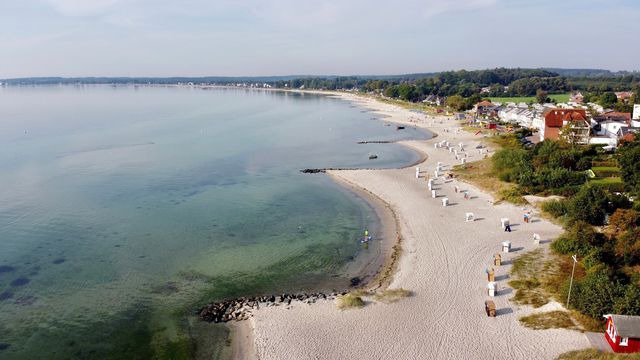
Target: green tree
{"type": "Point", "coordinates": [456, 102]}
{"type": "Point", "coordinates": [580, 238]}
{"type": "Point", "coordinates": [629, 302]}
{"type": "Point", "coordinates": [596, 294]}
{"type": "Point", "coordinates": [541, 96]}
{"type": "Point", "coordinates": [629, 162]}
{"type": "Point", "coordinates": [608, 99]}
{"type": "Point", "coordinates": [392, 91]}
{"type": "Point", "coordinates": [622, 220]}
{"type": "Point", "coordinates": [628, 246]}
{"type": "Point", "coordinates": [589, 205]}
{"type": "Point", "coordinates": [510, 164]}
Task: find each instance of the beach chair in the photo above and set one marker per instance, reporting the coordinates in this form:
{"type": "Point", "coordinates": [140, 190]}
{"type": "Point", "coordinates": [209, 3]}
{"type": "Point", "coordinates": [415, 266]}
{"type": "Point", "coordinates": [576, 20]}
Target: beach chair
{"type": "Point", "coordinates": [490, 308]}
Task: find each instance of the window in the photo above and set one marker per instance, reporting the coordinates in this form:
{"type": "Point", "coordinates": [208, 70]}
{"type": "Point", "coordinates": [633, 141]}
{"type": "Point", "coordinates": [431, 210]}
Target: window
{"type": "Point", "coordinates": [624, 341]}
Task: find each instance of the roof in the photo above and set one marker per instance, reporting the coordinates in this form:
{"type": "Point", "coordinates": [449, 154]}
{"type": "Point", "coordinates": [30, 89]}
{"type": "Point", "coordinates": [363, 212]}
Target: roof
{"type": "Point", "coordinates": [616, 115]}
{"type": "Point", "coordinates": [626, 325]}
{"type": "Point", "coordinates": [629, 136]}
{"type": "Point", "coordinates": [556, 117]}
{"type": "Point", "coordinates": [624, 94]}
{"type": "Point", "coordinates": [484, 103]}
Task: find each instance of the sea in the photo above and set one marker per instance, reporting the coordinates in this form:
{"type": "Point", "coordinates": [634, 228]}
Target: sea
{"type": "Point", "coordinates": [123, 209]}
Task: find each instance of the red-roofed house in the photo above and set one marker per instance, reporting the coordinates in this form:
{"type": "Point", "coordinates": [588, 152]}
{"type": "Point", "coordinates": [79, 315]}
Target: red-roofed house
{"type": "Point", "coordinates": [577, 97]}
{"type": "Point", "coordinates": [570, 124]}
{"type": "Point", "coordinates": [614, 116]}
{"type": "Point", "coordinates": [624, 96]}
{"type": "Point", "coordinates": [485, 107]}
{"type": "Point", "coordinates": [623, 333]}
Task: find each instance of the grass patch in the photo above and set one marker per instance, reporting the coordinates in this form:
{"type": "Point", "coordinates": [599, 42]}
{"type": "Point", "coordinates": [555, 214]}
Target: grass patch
{"type": "Point", "coordinates": [526, 274]}
{"type": "Point", "coordinates": [350, 301]}
{"type": "Point", "coordinates": [392, 295]}
{"type": "Point", "coordinates": [612, 184]}
{"type": "Point", "coordinates": [587, 323]}
{"type": "Point", "coordinates": [607, 181]}
{"type": "Point", "coordinates": [481, 174]}
{"type": "Point", "coordinates": [548, 320]}
{"type": "Point", "coordinates": [538, 278]}
{"type": "Point", "coordinates": [605, 168]}
{"type": "Point", "coordinates": [593, 354]}
{"type": "Point", "coordinates": [527, 99]}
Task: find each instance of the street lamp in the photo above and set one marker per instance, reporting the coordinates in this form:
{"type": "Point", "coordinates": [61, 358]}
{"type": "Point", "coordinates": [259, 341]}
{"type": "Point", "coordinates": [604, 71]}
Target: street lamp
{"type": "Point", "coordinates": [575, 261]}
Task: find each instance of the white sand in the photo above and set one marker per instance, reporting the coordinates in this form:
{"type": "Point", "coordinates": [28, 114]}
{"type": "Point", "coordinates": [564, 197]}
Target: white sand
{"type": "Point", "coordinates": [443, 263]}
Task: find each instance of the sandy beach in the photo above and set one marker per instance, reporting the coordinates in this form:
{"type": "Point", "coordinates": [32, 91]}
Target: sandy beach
{"type": "Point", "coordinates": [443, 262]}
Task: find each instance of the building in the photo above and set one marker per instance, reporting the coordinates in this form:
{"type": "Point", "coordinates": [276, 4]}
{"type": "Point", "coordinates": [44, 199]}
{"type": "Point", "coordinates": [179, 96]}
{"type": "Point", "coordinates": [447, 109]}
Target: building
{"type": "Point", "coordinates": [624, 96]}
{"type": "Point", "coordinates": [636, 112]}
{"type": "Point", "coordinates": [571, 124]}
{"type": "Point", "coordinates": [486, 108]}
{"type": "Point", "coordinates": [623, 333]}
{"type": "Point", "coordinates": [614, 116]}
{"type": "Point", "coordinates": [577, 97]}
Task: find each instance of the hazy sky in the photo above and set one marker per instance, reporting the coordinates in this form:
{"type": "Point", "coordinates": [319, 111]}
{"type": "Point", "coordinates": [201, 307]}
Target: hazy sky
{"type": "Point", "coordinates": [281, 37]}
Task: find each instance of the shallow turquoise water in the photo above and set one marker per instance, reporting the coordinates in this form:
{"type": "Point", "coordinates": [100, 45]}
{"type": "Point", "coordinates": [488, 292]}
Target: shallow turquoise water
{"type": "Point", "coordinates": [125, 207]}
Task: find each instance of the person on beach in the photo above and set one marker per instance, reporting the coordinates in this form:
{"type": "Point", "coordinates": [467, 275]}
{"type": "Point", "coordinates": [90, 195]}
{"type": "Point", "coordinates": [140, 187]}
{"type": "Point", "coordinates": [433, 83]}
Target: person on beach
{"type": "Point", "coordinates": [507, 228]}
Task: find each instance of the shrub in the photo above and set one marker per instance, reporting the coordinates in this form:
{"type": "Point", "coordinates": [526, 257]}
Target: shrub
{"type": "Point", "coordinates": [555, 208]}
{"type": "Point", "coordinates": [583, 164]}
{"type": "Point", "coordinates": [595, 294]}
{"type": "Point", "coordinates": [629, 302]}
{"type": "Point", "coordinates": [623, 219]}
{"type": "Point", "coordinates": [350, 301]}
{"type": "Point", "coordinates": [392, 295]}
{"type": "Point", "coordinates": [508, 163]}
{"type": "Point", "coordinates": [589, 204]}
{"type": "Point", "coordinates": [559, 177]}
{"type": "Point", "coordinates": [548, 320]}
{"type": "Point", "coordinates": [579, 239]}
{"type": "Point", "coordinates": [592, 259]}
{"type": "Point", "coordinates": [627, 246]}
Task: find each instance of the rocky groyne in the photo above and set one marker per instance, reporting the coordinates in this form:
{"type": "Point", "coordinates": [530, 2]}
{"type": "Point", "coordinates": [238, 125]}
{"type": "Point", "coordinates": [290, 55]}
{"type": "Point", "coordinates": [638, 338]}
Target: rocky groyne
{"type": "Point", "coordinates": [241, 308]}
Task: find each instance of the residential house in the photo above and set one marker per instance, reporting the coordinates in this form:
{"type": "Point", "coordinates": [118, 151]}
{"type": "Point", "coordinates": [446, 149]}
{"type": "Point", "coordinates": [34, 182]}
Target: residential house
{"type": "Point", "coordinates": [434, 100]}
{"type": "Point", "coordinates": [623, 333]}
{"type": "Point", "coordinates": [624, 96]}
{"type": "Point", "coordinates": [596, 107]}
{"type": "Point", "coordinates": [485, 108]}
{"type": "Point", "coordinates": [570, 124]}
{"type": "Point", "coordinates": [577, 97]}
{"type": "Point", "coordinates": [610, 127]}
{"type": "Point", "coordinates": [613, 116]}
{"type": "Point", "coordinates": [636, 114]}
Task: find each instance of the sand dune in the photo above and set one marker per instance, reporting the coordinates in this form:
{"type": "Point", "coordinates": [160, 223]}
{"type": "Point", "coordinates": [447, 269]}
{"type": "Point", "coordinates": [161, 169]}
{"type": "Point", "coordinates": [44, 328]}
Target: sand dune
{"type": "Point", "coordinates": [443, 263]}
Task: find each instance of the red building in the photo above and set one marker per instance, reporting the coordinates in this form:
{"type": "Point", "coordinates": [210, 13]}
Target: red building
{"type": "Point", "coordinates": [555, 119]}
{"type": "Point", "coordinates": [623, 333]}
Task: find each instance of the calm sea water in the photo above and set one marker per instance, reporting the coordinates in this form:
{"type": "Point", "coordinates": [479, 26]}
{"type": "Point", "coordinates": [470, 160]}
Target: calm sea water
{"type": "Point", "coordinates": [122, 209]}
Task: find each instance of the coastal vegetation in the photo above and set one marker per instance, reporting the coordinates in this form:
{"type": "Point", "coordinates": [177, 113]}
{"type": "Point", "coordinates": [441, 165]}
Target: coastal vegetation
{"type": "Point", "coordinates": [350, 301]}
{"type": "Point", "coordinates": [601, 224]}
{"type": "Point", "coordinates": [531, 277]}
{"type": "Point", "coordinates": [392, 295]}
{"type": "Point", "coordinates": [548, 320]}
